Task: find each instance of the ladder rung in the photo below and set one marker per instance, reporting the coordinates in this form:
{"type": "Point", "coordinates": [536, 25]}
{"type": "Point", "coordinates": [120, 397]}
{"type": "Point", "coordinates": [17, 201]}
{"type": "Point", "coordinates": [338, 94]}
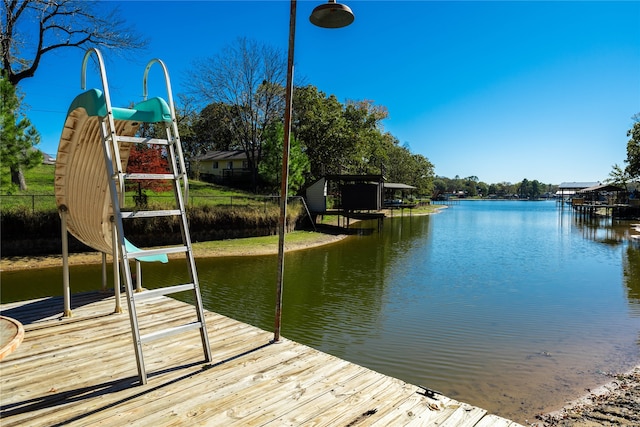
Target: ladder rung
{"type": "Point", "coordinates": [170, 331]}
{"type": "Point", "coordinates": [149, 176]}
{"type": "Point", "coordinates": [151, 252]}
{"type": "Point", "coordinates": [138, 140]}
{"type": "Point", "coordinates": [149, 214]}
{"type": "Point", "coordinates": [151, 293]}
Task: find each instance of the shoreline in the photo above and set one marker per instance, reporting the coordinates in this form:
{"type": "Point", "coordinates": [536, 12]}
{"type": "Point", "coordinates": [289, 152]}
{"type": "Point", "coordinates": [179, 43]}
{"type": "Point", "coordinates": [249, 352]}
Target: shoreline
{"type": "Point", "coordinates": [615, 403]}
{"type": "Point", "coordinates": [257, 246]}
{"type": "Point", "coordinates": [200, 250]}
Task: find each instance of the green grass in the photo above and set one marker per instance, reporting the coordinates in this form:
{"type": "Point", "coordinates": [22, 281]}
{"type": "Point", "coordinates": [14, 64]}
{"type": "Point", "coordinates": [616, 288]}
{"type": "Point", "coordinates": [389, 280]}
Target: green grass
{"type": "Point", "coordinates": [250, 243]}
{"type": "Point", "coordinates": [39, 181]}
{"type": "Point", "coordinates": [39, 195]}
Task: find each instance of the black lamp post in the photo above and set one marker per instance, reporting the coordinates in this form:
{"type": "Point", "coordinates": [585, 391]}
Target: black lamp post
{"type": "Point", "coordinates": [329, 15]}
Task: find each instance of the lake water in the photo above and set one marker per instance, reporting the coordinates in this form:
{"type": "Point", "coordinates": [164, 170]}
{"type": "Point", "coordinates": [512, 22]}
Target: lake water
{"type": "Point", "coordinates": [515, 307]}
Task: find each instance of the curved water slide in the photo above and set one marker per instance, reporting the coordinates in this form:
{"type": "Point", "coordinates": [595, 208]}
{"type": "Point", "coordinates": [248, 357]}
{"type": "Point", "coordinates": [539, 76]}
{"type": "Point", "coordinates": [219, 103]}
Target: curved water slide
{"type": "Point", "coordinates": [81, 175]}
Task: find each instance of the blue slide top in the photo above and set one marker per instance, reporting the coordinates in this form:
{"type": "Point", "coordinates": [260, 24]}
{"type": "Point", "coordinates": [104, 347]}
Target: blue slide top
{"type": "Point", "coordinates": [152, 110]}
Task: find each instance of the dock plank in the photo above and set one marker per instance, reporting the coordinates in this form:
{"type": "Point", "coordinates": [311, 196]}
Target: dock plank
{"type": "Point", "coordinates": [82, 371]}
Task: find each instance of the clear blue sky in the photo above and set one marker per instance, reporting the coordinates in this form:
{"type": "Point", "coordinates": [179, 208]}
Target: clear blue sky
{"type": "Point", "coordinates": [500, 90]}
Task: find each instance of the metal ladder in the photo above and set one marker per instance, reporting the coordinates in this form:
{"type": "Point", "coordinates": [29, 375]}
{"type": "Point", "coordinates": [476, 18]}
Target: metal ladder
{"type": "Point", "coordinates": [178, 178]}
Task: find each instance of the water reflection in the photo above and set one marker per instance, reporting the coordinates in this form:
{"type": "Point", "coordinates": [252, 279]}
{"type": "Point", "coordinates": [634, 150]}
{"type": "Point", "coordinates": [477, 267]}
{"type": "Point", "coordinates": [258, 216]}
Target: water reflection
{"type": "Point", "coordinates": [631, 271]}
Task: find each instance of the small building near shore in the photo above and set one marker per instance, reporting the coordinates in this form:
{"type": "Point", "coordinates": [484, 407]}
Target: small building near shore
{"type": "Point", "coordinates": [352, 193]}
{"type": "Point", "coordinates": [603, 193]}
{"type": "Point", "coordinates": [569, 189]}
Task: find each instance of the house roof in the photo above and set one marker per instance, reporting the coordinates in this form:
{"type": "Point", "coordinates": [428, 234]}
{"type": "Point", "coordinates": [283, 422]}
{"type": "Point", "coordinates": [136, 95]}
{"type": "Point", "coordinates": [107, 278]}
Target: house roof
{"type": "Point", "coordinates": [398, 186]}
{"type": "Point", "coordinates": [601, 187]}
{"type": "Point", "coordinates": [223, 155]}
{"type": "Point", "coordinates": [577, 185]}
{"type": "Point", "coordinates": [355, 178]}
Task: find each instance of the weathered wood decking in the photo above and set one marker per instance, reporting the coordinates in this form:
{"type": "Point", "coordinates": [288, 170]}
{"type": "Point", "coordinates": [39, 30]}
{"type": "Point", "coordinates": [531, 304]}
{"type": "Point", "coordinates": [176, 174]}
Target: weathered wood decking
{"type": "Point", "coordinates": [82, 371]}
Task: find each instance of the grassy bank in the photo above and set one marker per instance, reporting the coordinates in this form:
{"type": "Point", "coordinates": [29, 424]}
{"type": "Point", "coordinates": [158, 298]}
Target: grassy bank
{"type": "Point", "coordinates": [250, 246]}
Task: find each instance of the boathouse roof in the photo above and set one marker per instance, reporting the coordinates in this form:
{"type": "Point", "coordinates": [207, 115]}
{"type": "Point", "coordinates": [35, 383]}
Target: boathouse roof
{"type": "Point", "coordinates": [398, 186]}
{"type": "Point", "coordinates": [577, 185]}
{"type": "Point", "coordinates": [601, 187]}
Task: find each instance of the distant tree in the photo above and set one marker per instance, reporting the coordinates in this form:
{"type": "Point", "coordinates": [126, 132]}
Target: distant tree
{"type": "Point", "coordinates": [530, 189]}
{"type": "Point", "coordinates": [423, 178]}
{"type": "Point", "coordinates": [483, 189]}
{"type": "Point", "coordinates": [411, 169]}
{"type": "Point", "coordinates": [33, 28]}
{"type": "Point", "coordinates": [271, 165]}
{"type": "Point", "coordinates": [439, 187]}
{"type": "Point", "coordinates": [619, 176]}
{"type": "Point", "coordinates": [249, 77]}
{"type": "Point", "coordinates": [470, 186]}
{"type": "Point", "coordinates": [364, 143]}
{"type": "Point", "coordinates": [633, 150]}
{"type": "Point", "coordinates": [18, 138]}
{"type": "Point", "coordinates": [319, 124]}
{"type": "Point", "coordinates": [213, 128]}
{"type": "Point", "coordinates": [457, 184]}
{"type": "Point", "coordinates": [399, 165]}
{"type": "Point", "coordinates": [536, 189]}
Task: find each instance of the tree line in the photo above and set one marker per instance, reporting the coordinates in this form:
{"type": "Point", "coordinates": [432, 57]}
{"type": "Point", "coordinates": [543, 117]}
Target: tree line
{"type": "Point", "coordinates": [472, 187]}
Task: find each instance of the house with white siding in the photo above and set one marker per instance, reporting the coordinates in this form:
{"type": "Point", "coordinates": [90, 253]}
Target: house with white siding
{"type": "Point", "coordinates": [223, 167]}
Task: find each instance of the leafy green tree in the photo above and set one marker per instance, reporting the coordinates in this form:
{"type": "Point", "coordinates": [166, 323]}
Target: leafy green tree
{"type": "Point", "coordinates": [536, 189]}
{"type": "Point", "coordinates": [530, 189]}
{"type": "Point", "coordinates": [365, 145]}
{"type": "Point", "coordinates": [423, 174]}
{"type": "Point", "coordinates": [318, 123]}
{"type": "Point", "coordinates": [271, 165]}
{"type": "Point", "coordinates": [483, 189]}
{"type": "Point", "coordinates": [633, 150]}
{"type": "Point", "coordinates": [213, 128]}
{"type": "Point", "coordinates": [439, 187]}
{"type": "Point", "coordinates": [619, 176]}
{"type": "Point", "coordinates": [523, 189]}
{"type": "Point", "coordinates": [470, 186]}
{"type": "Point", "coordinates": [398, 166]}
{"type": "Point", "coordinates": [17, 138]}
{"type": "Point", "coordinates": [412, 169]}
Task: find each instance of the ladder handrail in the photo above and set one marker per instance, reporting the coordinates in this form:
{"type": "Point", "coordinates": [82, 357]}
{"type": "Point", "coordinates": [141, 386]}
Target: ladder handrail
{"type": "Point", "coordinates": [103, 73]}
{"type": "Point", "coordinates": [172, 110]}
{"type": "Point", "coordinates": [107, 98]}
{"type": "Point", "coordinates": [167, 81]}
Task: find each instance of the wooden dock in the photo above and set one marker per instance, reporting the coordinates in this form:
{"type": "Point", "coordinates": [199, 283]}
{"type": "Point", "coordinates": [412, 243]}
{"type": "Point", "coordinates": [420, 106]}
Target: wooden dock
{"type": "Point", "coordinates": [82, 371]}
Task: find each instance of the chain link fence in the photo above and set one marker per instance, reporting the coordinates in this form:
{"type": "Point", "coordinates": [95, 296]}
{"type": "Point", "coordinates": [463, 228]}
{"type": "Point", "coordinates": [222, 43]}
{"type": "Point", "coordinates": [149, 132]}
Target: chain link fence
{"type": "Point", "coordinates": [47, 202]}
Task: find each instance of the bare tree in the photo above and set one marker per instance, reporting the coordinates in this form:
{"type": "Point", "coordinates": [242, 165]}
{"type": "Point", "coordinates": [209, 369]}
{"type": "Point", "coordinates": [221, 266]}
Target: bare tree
{"type": "Point", "coordinates": [250, 78]}
{"type": "Point", "coordinates": [33, 28]}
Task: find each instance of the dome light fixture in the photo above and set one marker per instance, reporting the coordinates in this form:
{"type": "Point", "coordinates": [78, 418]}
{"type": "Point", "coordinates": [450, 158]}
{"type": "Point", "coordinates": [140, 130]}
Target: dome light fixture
{"type": "Point", "coordinates": [332, 15]}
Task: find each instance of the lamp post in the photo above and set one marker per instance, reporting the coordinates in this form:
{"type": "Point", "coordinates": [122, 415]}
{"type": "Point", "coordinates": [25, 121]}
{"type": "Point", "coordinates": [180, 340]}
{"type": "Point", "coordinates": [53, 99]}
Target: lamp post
{"type": "Point", "coordinates": [329, 15]}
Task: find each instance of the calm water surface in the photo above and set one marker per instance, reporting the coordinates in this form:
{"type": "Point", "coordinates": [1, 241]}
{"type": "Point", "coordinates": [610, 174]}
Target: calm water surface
{"type": "Point", "coordinates": [512, 306]}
